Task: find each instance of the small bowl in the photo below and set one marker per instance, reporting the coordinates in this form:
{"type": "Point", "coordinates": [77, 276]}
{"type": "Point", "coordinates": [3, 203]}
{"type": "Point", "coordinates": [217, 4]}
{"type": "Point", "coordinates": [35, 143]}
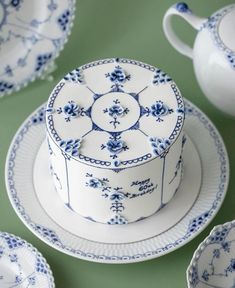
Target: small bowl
{"type": "Point", "coordinates": [213, 263]}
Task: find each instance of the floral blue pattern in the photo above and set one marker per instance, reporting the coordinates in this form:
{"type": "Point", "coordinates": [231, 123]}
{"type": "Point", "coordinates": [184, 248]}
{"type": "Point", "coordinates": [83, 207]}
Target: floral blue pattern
{"type": "Point", "coordinates": [75, 76]}
{"type": "Point", "coordinates": [212, 25]}
{"type": "Point", "coordinates": [63, 20]}
{"type": "Point", "coordinates": [160, 77]}
{"type": "Point", "coordinates": [159, 145]}
{"type": "Point", "coordinates": [117, 220]}
{"type": "Point", "coordinates": [116, 111]}
{"type": "Point", "coordinates": [219, 264]}
{"type": "Point", "coordinates": [40, 35]}
{"type": "Point", "coordinates": [115, 195]}
{"type": "Point", "coordinates": [158, 110]}
{"type": "Point", "coordinates": [14, 249]}
{"type": "Point", "coordinates": [71, 146]}
{"type": "Point", "coordinates": [118, 77]}
{"type": "Point", "coordinates": [115, 146]}
{"type": "Point", "coordinates": [95, 183]}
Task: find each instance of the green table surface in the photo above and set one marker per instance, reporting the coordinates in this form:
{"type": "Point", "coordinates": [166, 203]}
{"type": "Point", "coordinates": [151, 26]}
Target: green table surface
{"type": "Point", "coordinates": [131, 29]}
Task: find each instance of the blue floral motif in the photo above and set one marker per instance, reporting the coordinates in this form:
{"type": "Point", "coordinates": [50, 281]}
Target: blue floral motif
{"type": "Point", "coordinates": [39, 117]}
{"type": "Point", "coordinates": [197, 222]}
{"type": "Point", "coordinates": [95, 183]}
{"type": "Point", "coordinates": [42, 60]}
{"type": "Point", "coordinates": [118, 77]}
{"type": "Point", "coordinates": [115, 146]}
{"type": "Point", "coordinates": [212, 25]}
{"type": "Point", "coordinates": [160, 77]}
{"type": "Point", "coordinates": [71, 146]}
{"type": "Point", "coordinates": [205, 275]}
{"type": "Point", "coordinates": [117, 195]}
{"type": "Point", "coordinates": [117, 220]}
{"type": "Point", "coordinates": [182, 7]}
{"type": "Point", "coordinates": [13, 258]}
{"type": "Point", "coordinates": [231, 59]}
{"type": "Point", "coordinates": [41, 266]}
{"type": "Point", "coordinates": [28, 32]}
{"type": "Point", "coordinates": [5, 86]}
{"type": "Point", "coordinates": [159, 145]}
{"type": "Point", "coordinates": [116, 111]}
{"type": "Point", "coordinates": [63, 20]}
{"type": "Point", "coordinates": [231, 267]}
{"type": "Point", "coordinates": [13, 242]}
{"type": "Point", "coordinates": [70, 110]}
{"type": "Point", "coordinates": [158, 110]}
{"type": "Point", "coordinates": [75, 76]}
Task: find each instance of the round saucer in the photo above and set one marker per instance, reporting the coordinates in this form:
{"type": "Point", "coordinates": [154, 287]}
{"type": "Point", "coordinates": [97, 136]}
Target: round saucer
{"type": "Point", "coordinates": [36, 203]}
{"type": "Point", "coordinates": [21, 265]}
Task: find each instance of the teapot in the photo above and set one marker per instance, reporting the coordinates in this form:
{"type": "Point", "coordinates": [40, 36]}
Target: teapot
{"type": "Point", "coordinates": [213, 53]}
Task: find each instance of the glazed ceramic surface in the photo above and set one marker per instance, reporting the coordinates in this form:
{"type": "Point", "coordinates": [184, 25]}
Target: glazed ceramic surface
{"type": "Point", "coordinates": [193, 207]}
{"type": "Point", "coordinates": [213, 263]}
{"type": "Point", "coordinates": [32, 35]}
{"type": "Point", "coordinates": [115, 140]}
{"type": "Point", "coordinates": [21, 265]}
{"type": "Point", "coordinates": [213, 53]}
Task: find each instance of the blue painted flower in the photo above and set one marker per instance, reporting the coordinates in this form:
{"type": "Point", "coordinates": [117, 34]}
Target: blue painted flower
{"type": "Point", "coordinates": [117, 220]}
{"type": "Point", "coordinates": [115, 146]}
{"type": "Point", "coordinates": [118, 75]}
{"type": "Point", "coordinates": [182, 7]}
{"type": "Point", "coordinates": [117, 195]}
{"type": "Point", "coordinates": [159, 145]}
{"type": "Point", "coordinates": [205, 275]}
{"type": "Point", "coordinates": [13, 257]}
{"type": "Point", "coordinates": [231, 267]}
{"type": "Point", "coordinates": [116, 110]}
{"type": "Point", "coordinates": [71, 109]}
{"type": "Point", "coordinates": [95, 183]}
{"type": "Point", "coordinates": [71, 146]}
{"type": "Point", "coordinates": [160, 109]}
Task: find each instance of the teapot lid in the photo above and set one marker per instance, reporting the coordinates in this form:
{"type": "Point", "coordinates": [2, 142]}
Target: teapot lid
{"type": "Point", "coordinates": [222, 25]}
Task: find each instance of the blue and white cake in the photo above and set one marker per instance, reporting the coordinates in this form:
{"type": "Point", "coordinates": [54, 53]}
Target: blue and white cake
{"type": "Point", "coordinates": [114, 130]}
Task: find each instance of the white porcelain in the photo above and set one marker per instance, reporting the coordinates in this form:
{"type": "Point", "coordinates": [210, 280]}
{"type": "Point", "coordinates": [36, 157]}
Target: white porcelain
{"type": "Point", "coordinates": [21, 265]}
{"type": "Point", "coordinates": [213, 263]}
{"type": "Point", "coordinates": [32, 35]}
{"type": "Point", "coordinates": [213, 53]}
{"type": "Point", "coordinates": [32, 194]}
{"type": "Point", "coordinates": [115, 136]}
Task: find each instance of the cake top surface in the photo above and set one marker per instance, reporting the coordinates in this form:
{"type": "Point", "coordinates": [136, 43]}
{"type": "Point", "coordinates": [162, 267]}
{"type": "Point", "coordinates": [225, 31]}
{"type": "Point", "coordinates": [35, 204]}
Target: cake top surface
{"type": "Point", "coordinates": [115, 113]}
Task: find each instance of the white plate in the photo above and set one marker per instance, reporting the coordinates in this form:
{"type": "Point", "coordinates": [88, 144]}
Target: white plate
{"type": "Point", "coordinates": [32, 35]}
{"type": "Point", "coordinates": [193, 207]}
{"type": "Point", "coordinates": [213, 263]}
{"type": "Point", "coordinates": [21, 265]}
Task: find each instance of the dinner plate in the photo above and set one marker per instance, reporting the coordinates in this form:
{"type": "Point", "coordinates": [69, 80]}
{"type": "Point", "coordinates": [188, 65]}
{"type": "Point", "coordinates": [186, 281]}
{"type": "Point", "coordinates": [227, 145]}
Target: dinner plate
{"type": "Point", "coordinates": [21, 265]}
{"type": "Point", "coordinates": [200, 195]}
{"type": "Point", "coordinates": [32, 34]}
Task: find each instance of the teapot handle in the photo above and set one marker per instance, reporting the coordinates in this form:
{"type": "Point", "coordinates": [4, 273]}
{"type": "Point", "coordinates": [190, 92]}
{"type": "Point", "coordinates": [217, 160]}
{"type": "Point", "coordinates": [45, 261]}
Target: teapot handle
{"type": "Point", "coordinates": [182, 10]}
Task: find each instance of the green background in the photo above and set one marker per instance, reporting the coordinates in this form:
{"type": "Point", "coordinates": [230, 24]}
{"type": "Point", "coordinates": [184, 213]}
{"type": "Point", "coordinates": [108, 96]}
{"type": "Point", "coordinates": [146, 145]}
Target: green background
{"type": "Point", "coordinates": [132, 29]}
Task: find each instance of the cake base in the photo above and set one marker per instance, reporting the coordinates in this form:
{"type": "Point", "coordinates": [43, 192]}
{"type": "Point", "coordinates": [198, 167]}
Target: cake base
{"type": "Point", "coordinates": [146, 228]}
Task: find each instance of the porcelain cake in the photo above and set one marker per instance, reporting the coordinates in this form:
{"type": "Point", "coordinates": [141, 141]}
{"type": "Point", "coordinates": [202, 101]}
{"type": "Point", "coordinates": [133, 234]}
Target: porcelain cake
{"type": "Point", "coordinates": [115, 137]}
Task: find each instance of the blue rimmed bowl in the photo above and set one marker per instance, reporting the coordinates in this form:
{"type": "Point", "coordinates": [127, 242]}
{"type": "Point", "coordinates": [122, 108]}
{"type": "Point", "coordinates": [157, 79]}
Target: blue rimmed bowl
{"type": "Point", "coordinates": [213, 263]}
